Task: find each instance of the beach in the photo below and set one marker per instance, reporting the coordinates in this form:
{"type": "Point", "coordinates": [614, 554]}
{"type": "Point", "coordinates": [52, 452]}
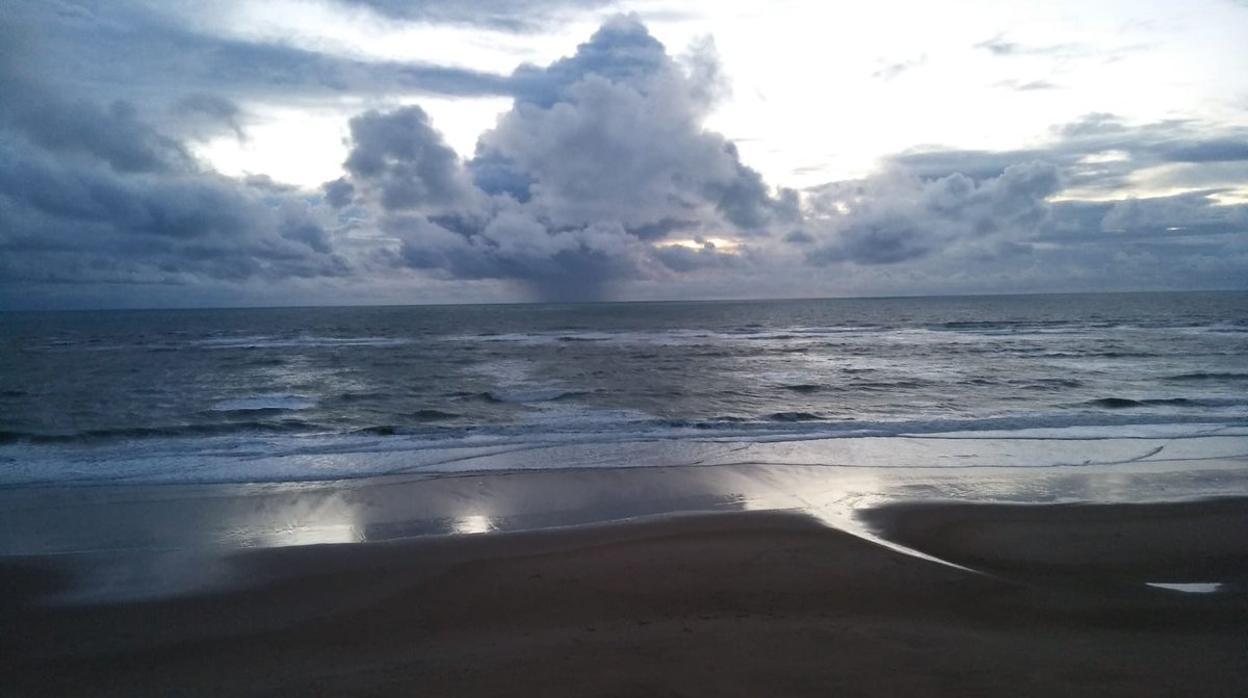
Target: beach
{"type": "Point", "coordinates": [1030, 600]}
{"type": "Point", "coordinates": [593, 348]}
{"type": "Point", "coordinates": [1029, 496]}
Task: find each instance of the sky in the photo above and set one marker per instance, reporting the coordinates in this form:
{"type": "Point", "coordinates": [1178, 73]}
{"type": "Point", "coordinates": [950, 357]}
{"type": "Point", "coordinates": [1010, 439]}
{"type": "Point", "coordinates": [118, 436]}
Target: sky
{"type": "Point", "coordinates": [304, 152]}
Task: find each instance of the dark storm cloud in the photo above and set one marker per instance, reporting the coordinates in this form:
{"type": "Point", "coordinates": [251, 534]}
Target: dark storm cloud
{"type": "Point", "coordinates": [80, 128]}
{"type": "Point", "coordinates": [401, 155]}
{"type": "Point", "coordinates": [567, 264]}
{"type": "Point", "coordinates": [339, 193]}
{"type": "Point", "coordinates": [90, 223]}
{"type": "Point", "coordinates": [90, 194]}
{"type": "Point", "coordinates": [683, 259]}
{"type": "Point", "coordinates": [602, 155]}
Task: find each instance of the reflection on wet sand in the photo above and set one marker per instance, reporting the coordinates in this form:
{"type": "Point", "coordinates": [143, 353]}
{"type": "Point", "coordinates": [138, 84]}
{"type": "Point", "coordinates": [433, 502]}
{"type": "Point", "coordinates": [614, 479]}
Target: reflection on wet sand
{"type": "Point", "coordinates": [473, 523]}
{"type": "Point", "coordinates": [129, 539]}
{"type": "Point", "coordinates": [135, 540]}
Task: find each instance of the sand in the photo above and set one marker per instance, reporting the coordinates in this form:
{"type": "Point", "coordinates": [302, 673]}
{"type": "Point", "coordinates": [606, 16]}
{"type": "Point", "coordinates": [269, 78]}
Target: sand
{"type": "Point", "coordinates": [735, 604]}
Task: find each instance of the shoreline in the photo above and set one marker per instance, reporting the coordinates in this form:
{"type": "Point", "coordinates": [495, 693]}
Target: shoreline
{"type": "Point", "coordinates": [736, 603]}
{"type": "Point", "coordinates": [136, 542]}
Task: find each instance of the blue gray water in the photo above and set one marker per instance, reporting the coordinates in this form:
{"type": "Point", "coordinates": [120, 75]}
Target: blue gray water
{"type": "Point", "coordinates": [313, 393]}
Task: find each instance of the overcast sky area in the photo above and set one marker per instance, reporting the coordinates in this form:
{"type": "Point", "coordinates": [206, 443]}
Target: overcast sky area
{"type": "Point", "coordinates": [170, 153]}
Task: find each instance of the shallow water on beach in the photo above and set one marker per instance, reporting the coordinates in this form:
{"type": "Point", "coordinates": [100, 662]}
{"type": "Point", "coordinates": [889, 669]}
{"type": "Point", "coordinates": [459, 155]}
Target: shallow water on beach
{"type": "Point", "coordinates": [131, 542]}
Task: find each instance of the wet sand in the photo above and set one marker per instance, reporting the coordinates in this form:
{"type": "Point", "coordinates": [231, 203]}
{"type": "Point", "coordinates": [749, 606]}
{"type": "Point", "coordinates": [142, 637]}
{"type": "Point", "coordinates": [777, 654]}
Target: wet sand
{"type": "Point", "coordinates": [729, 604]}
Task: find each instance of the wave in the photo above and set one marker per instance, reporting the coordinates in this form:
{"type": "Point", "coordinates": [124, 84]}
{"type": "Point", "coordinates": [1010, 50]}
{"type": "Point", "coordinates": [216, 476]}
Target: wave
{"type": "Point", "coordinates": [270, 342]}
{"type": "Point", "coordinates": [1207, 376]}
{"type": "Point", "coordinates": [430, 415]}
{"type": "Point", "coordinates": [392, 450]}
{"type": "Point", "coordinates": [177, 431]}
{"type": "Point", "coordinates": [379, 430]}
{"type": "Point", "coordinates": [264, 403]}
{"type": "Point", "coordinates": [1051, 384]}
{"type": "Point", "coordinates": [528, 395]}
{"type": "Point", "coordinates": [1117, 403]}
{"type": "Point", "coordinates": [411, 430]}
{"type": "Point", "coordinates": [885, 385]}
{"type": "Point", "coordinates": [804, 388]}
{"type": "Point", "coordinates": [1100, 355]}
{"type": "Point", "coordinates": [267, 361]}
{"type": "Point", "coordinates": [363, 396]}
{"type": "Point", "coordinates": [794, 417]}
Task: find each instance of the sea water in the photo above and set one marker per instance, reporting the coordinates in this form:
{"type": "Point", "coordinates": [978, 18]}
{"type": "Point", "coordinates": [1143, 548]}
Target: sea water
{"type": "Point", "coordinates": [306, 394]}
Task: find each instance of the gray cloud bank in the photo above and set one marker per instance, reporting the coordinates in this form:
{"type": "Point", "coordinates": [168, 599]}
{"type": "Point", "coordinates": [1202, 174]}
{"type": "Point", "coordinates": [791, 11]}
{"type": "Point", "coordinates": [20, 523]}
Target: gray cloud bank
{"type": "Point", "coordinates": [599, 182]}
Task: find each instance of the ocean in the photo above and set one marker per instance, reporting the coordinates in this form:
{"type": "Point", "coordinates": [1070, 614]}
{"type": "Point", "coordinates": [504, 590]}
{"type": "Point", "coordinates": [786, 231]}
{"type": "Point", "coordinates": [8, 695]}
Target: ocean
{"type": "Point", "coordinates": [313, 394]}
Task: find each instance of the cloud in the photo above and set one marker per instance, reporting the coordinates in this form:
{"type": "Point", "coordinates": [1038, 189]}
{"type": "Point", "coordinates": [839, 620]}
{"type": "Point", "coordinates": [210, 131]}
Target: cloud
{"type": "Point", "coordinates": [1194, 213]}
{"type": "Point", "coordinates": [1062, 54]}
{"type": "Point", "coordinates": [97, 195]}
{"type": "Point", "coordinates": [892, 70]}
{"type": "Point", "coordinates": [82, 129]}
{"type": "Point", "coordinates": [500, 15]}
{"type": "Point", "coordinates": [1210, 150]}
{"type": "Point", "coordinates": [124, 50]}
{"type": "Point", "coordinates": [926, 223]}
{"type": "Point", "coordinates": [999, 46]}
{"type": "Point", "coordinates": [603, 154]}
{"type": "Point", "coordinates": [601, 180]}
{"type": "Point", "coordinates": [401, 157]}
{"type": "Point", "coordinates": [92, 224]}
{"type": "Point", "coordinates": [897, 217]}
{"type": "Point", "coordinates": [208, 114]}
{"type": "Point", "coordinates": [1029, 86]}
{"type": "Point", "coordinates": [1102, 153]}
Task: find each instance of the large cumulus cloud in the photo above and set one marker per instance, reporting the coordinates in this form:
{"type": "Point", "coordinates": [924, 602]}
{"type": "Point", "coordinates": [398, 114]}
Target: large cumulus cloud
{"type": "Point", "coordinates": [602, 159]}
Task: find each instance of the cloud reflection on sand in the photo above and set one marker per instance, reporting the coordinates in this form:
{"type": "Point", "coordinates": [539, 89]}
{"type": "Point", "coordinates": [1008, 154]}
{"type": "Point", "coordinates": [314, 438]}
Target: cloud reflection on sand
{"type": "Point", "coordinates": [127, 534]}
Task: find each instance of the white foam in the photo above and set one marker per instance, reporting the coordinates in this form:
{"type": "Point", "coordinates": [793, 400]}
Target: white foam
{"type": "Point", "coordinates": [268, 342]}
{"type": "Point", "coordinates": [668, 337]}
{"type": "Point", "coordinates": [514, 382]}
{"type": "Point", "coordinates": [1188, 587]}
{"type": "Point", "coordinates": [570, 438]}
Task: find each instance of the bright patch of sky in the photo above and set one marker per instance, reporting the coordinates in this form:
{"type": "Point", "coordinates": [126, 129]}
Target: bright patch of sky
{"type": "Point", "coordinates": [818, 91]}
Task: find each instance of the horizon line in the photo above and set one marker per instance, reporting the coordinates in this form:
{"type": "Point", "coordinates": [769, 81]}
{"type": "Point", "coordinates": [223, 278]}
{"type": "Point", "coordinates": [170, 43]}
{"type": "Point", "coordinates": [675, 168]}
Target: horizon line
{"type": "Point", "coordinates": [620, 301]}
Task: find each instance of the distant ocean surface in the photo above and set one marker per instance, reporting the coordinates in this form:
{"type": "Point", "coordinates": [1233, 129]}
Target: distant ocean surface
{"type": "Point", "coordinates": [272, 395]}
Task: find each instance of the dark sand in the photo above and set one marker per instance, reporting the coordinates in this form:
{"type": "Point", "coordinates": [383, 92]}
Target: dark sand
{"type": "Point", "coordinates": [740, 604]}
